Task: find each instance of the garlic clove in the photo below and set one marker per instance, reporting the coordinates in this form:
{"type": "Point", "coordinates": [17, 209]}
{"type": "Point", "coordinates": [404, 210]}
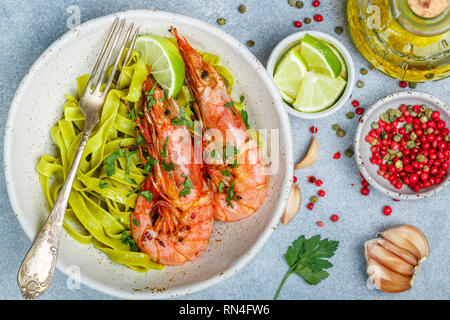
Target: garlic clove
{"type": "Point", "coordinates": [311, 155]}
{"type": "Point", "coordinates": [408, 238]}
{"type": "Point", "coordinates": [388, 259]}
{"type": "Point", "coordinates": [385, 279]}
{"type": "Point", "coordinates": [293, 205]}
{"type": "Point", "coordinates": [405, 255]}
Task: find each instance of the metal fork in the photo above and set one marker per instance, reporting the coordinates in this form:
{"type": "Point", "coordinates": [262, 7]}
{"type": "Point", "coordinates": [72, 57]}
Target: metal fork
{"type": "Point", "coordinates": [36, 271]}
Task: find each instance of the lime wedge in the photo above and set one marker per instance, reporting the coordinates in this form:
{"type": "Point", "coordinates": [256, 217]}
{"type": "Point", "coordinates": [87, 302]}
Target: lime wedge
{"type": "Point", "coordinates": [167, 64]}
{"type": "Point", "coordinates": [289, 73]}
{"type": "Point", "coordinates": [344, 73]}
{"type": "Point", "coordinates": [320, 57]}
{"type": "Point", "coordinates": [318, 92]}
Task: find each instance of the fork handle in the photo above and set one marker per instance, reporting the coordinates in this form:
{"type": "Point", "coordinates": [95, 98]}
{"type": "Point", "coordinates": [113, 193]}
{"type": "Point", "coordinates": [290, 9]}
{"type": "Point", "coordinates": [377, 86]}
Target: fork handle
{"type": "Point", "coordinates": [38, 266]}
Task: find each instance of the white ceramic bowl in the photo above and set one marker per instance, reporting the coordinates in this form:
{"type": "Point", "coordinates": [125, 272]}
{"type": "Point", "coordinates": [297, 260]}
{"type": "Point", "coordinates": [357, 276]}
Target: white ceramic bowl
{"type": "Point", "coordinates": [295, 38]}
{"type": "Point", "coordinates": [362, 148]}
{"type": "Point", "coordinates": [37, 106]}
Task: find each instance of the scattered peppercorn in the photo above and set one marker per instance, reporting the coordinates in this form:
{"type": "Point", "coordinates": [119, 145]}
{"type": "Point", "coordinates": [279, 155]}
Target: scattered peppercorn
{"type": "Point", "coordinates": [334, 218]}
{"type": "Point", "coordinates": [316, 4]}
{"type": "Point", "coordinates": [307, 20]}
{"type": "Point", "coordinates": [291, 2]}
{"type": "Point", "coordinates": [363, 71]}
{"type": "Point", "coordinates": [339, 30]}
{"type": "Point", "coordinates": [355, 103]}
{"type": "Point", "coordinates": [387, 210]}
{"type": "Point", "coordinates": [221, 21]}
{"type": "Point", "coordinates": [319, 223]}
{"type": "Point", "coordinates": [412, 85]}
{"type": "Point", "coordinates": [335, 127]}
{"type": "Point", "coordinates": [319, 183]}
{"type": "Point", "coordinates": [337, 155]}
{"type": "Point", "coordinates": [250, 43]}
{"type": "Point", "coordinates": [314, 199]}
{"type": "Point", "coordinates": [310, 206]}
{"type": "Point", "coordinates": [312, 179]}
{"type": "Point", "coordinates": [359, 111]}
{"type": "Point", "coordinates": [295, 179]}
{"type": "Point", "coordinates": [313, 129]}
{"type": "Point", "coordinates": [350, 115]}
{"type": "Point", "coordinates": [372, 67]}
{"type": "Point", "coordinates": [340, 133]}
{"type": "Point", "coordinates": [349, 152]}
{"type": "Point", "coordinates": [299, 4]}
{"type": "Point", "coordinates": [242, 9]}
{"type": "Point", "coordinates": [318, 18]}
{"type": "Point", "coordinates": [360, 84]}
{"type": "Point", "coordinates": [297, 24]}
{"type": "Point", "coordinates": [365, 191]}
{"type": "Point", "coordinates": [403, 84]}
{"type": "Point", "coordinates": [321, 193]}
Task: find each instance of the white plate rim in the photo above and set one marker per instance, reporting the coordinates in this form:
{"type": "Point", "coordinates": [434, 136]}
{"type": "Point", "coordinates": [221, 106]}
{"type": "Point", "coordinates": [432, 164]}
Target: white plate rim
{"type": "Point", "coordinates": [285, 129]}
{"type": "Point", "coordinates": [358, 140]}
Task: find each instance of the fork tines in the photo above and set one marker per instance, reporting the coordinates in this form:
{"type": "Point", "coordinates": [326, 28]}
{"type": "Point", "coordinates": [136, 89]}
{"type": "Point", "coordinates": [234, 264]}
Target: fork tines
{"type": "Point", "coordinates": [115, 36]}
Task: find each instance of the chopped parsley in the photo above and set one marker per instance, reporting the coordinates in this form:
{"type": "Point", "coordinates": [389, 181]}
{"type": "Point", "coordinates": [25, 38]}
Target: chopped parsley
{"type": "Point", "coordinates": [103, 185]}
{"type": "Point", "coordinates": [167, 166]}
{"type": "Point", "coordinates": [230, 105]}
{"type": "Point", "coordinates": [221, 186]}
{"type": "Point", "coordinates": [136, 223]}
{"type": "Point", "coordinates": [164, 148]}
{"type": "Point", "coordinates": [187, 184]}
{"type": "Point", "coordinates": [226, 173]}
{"type": "Point", "coordinates": [147, 195]}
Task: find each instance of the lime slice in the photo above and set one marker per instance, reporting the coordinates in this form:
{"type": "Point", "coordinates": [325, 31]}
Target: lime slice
{"type": "Point", "coordinates": [318, 92]}
{"type": "Point", "coordinates": [344, 73]}
{"type": "Point", "coordinates": [289, 73]}
{"type": "Point", "coordinates": [320, 57]}
{"type": "Point", "coordinates": [166, 62]}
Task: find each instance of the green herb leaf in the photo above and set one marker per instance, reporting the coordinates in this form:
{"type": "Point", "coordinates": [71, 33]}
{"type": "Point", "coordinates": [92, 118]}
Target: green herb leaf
{"type": "Point", "coordinates": [242, 99]}
{"type": "Point", "coordinates": [148, 195]}
{"type": "Point", "coordinates": [226, 173]}
{"type": "Point", "coordinates": [139, 140]}
{"type": "Point", "coordinates": [244, 116]}
{"type": "Point", "coordinates": [136, 223]}
{"type": "Point", "coordinates": [167, 166]}
{"type": "Point", "coordinates": [103, 185]}
{"type": "Point", "coordinates": [187, 186]}
{"type": "Point", "coordinates": [230, 105]}
{"type": "Point", "coordinates": [306, 257]}
{"type": "Point", "coordinates": [164, 148]}
{"type": "Point", "coordinates": [221, 186]}
{"type": "Point", "coordinates": [181, 121]}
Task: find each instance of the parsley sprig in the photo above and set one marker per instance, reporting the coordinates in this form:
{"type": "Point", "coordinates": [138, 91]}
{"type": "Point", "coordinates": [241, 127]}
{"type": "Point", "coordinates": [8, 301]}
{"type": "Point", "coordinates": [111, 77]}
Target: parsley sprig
{"type": "Point", "coordinates": [305, 257]}
{"type": "Point", "coordinates": [187, 186]}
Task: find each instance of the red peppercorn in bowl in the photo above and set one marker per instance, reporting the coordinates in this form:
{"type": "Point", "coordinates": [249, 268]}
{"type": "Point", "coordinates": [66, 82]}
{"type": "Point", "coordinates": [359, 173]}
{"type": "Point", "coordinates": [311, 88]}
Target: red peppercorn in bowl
{"type": "Point", "coordinates": [402, 145]}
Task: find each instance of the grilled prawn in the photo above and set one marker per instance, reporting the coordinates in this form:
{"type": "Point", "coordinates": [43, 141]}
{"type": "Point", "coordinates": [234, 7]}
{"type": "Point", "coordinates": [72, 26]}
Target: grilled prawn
{"type": "Point", "coordinates": [173, 220]}
{"type": "Point", "coordinates": [239, 182]}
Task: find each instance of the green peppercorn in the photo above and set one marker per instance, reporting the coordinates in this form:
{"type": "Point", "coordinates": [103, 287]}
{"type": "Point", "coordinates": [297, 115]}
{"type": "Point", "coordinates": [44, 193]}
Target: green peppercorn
{"type": "Point", "coordinates": [374, 125]}
{"type": "Point", "coordinates": [392, 152]}
{"type": "Point", "coordinates": [423, 119]}
{"type": "Point", "coordinates": [392, 118]}
{"type": "Point", "coordinates": [398, 164]}
{"type": "Point", "coordinates": [410, 144]}
{"type": "Point", "coordinates": [420, 158]}
{"type": "Point", "coordinates": [413, 136]}
{"type": "Point", "coordinates": [372, 67]}
{"type": "Point", "coordinates": [412, 85]}
{"type": "Point", "coordinates": [447, 138]}
{"type": "Point", "coordinates": [413, 114]}
{"type": "Point", "coordinates": [339, 30]}
{"type": "Point", "coordinates": [428, 130]}
{"type": "Point", "coordinates": [299, 4]}
{"type": "Point", "coordinates": [350, 115]}
{"type": "Point", "coordinates": [250, 43]}
{"type": "Point", "coordinates": [428, 112]}
{"type": "Point", "coordinates": [374, 141]}
{"type": "Point", "coordinates": [349, 152]}
{"type": "Point", "coordinates": [336, 127]}
{"type": "Point", "coordinates": [363, 71]}
{"type": "Point", "coordinates": [314, 199]}
{"type": "Point", "coordinates": [389, 162]}
{"type": "Point", "coordinates": [384, 117]}
{"type": "Point", "coordinates": [221, 21]}
{"type": "Point", "coordinates": [408, 127]}
{"type": "Point", "coordinates": [307, 20]}
{"type": "Point", "coordinates": [384, 135]}
{"type": "Point", "coordinates": [397, 138]}
{"type": "Point", "coordinates": [399, 154]}
{"type": "Point", "coordinates": [360, 84]}
{"type": "Point", "coordinates": [292, 3]}
{"type": "Point", "coordinates": [242, 9]}
{"type": "Point", "coordinates": [340, 133]}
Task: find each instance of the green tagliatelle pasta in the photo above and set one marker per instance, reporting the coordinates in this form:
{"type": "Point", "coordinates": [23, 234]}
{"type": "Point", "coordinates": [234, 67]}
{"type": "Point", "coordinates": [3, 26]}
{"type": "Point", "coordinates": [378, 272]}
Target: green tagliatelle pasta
{"type": "Point", "coordinates": [100, 202]}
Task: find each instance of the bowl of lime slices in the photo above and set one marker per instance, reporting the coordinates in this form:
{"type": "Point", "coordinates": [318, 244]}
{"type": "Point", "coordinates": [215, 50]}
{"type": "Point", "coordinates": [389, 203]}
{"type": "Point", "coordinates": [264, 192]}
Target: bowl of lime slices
{"type": "Point", "coordinates": [314, 73]}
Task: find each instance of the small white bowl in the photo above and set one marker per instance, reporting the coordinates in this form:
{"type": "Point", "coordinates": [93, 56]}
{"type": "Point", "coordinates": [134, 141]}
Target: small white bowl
{"type": "Point", "coordinates": [362, 148]}
{"type": "Point", "coordinates": [287, 43]}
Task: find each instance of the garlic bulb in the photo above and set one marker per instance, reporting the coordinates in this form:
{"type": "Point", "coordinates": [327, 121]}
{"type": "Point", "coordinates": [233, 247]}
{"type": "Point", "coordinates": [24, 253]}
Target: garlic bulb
{"type": "Point", "coordinates": [394, 259]}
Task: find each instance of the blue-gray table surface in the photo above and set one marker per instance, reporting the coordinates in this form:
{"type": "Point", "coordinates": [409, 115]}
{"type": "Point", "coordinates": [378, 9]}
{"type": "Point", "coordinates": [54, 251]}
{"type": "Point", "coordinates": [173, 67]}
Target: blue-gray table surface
{"type": "Point", "coordinates": [29, 28]}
